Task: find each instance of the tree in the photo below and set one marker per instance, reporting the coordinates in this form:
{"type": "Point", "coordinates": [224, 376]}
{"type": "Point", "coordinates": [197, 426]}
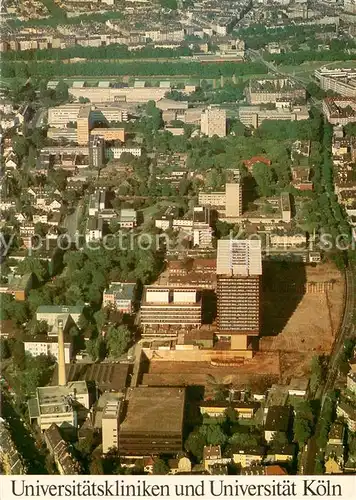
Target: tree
{"type": "Point", "coordinates": [18, 311]}
{"type": "Point", "coordinates": [61, 91]}
{"type": "Point", "coordinates": [316, 373]}
{"type": "Point", "coordinates": [244, 439]}
{"type": "Point", "coordinates": [160, 467]}
{"type": "Point", "coordinates": [195, 443]}
{"type": "Point", "coordinates": [302, 431]}
{"type": "Point", "coordinates": [214, 435]}
{"type": "Point", "coordinates": [4, 349]}
{"type": "Point", "coordinates": [264, 179]}
{"type": "Point", "coordinates": [96, 348]}
{"type": "Point", "coordinates": [279, 440]}
{"type": "Point", "coordinates": [96, 467]}
{"type": "Point", "coordinates": [118, 340]}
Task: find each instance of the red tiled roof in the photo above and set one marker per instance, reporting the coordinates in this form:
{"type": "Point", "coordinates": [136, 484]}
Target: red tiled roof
{"type": "Point", "coordinates": [275, 470]}
{"type": "Point", "coordinates": [256, 159]}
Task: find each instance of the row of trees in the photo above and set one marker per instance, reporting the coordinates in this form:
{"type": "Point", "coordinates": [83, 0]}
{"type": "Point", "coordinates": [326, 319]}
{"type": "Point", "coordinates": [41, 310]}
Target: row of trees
{"type": "Point", "coordinates": [114, 51]}
{"type": "Point", "coordinates": [196, 69]}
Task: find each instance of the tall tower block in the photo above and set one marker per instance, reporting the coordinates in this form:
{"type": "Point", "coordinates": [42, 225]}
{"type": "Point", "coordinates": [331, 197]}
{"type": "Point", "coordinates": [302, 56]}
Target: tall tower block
{"type": "Point", "coordinates": [62, 379]}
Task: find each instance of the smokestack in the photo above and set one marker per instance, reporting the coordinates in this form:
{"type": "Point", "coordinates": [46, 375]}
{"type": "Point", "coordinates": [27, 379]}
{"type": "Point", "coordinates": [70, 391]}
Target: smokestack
{"type": "Point", "coordinates": [62, 380]}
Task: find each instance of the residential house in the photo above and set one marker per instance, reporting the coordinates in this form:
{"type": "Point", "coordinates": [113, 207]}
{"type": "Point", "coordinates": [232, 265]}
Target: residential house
{"type": "Point", "coordinates": [61, 452]}
{"type": "Point", "coordinates": [48, 346]}
{"type": "Point", "coordinates": [120, 296]}
{"type": "Point", "coordinates": [11, 462]}
{"type": "Point", "coordinates": [281, 454]}
{"type": "Point", "coordinates": [180, 465]}
{"type": "Point", "coordinates": [335, 451]}
{"type": "Point", "coordinates": [51, 314]}
{"type": "Point", "coordinates": [218, 408]}
{"type": "Point", "coordinates": [211, 456]}
{"type": "Point", "coordinates": [332, 466]}
{"type": "Point", "coordinates": [249, 164]}
{"type": "Point", "coordinates": [247, 456]}
{"type": "Point", "coordinates": [19, 286]}
{"type": "Point", "coordinates": [347, 411]}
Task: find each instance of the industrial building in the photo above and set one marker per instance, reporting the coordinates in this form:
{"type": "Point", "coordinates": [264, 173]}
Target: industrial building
{"type": "Point", "coordinates": [239, 267]}
{"type": "Point", "coordinates": [64, 404]}
{"type": "Point", "coordinates": [154, 421]}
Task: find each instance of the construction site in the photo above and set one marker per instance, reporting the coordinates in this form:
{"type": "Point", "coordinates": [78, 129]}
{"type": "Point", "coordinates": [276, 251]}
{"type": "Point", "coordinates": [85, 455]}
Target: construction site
{"type": "Point", "coordinates": [301, 312]}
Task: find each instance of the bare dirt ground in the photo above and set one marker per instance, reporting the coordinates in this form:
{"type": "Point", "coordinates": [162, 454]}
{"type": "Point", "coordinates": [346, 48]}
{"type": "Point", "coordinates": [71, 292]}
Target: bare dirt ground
{"type": "Point", "coordinates": [311, 328]}
{"type": "Point", "coordinates": [263, 369]}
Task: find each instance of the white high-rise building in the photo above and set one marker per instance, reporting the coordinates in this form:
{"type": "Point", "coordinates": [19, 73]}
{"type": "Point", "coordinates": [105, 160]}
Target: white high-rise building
{"type": "Point", "coordinates": [239, 257]}
{"type": "Point", "coordinates": [213, 122]}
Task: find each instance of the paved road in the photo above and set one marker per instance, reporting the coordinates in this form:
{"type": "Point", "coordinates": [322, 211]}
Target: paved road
{"type": "Point", "coordinates": [71, 222]}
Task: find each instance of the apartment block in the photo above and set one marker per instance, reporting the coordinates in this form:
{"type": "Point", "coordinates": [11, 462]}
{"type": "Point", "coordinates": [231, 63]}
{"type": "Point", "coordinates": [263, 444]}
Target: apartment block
{"type": "Point", "coordinates": [233, 199]}
{"type": "Point", "coordinates": [116, 152]}
{"type": "Point", "coordinates": [341, 81]}
{"type": "Point", "coordinates": [340, 111]}
{"type": "Point", "coordinates": [215, 199]}
{"type": "Point", "coordinates": [213, 122]}
{"type": "Point", "coordinates": [48, 346]}
{"type": "Point", "coordinates": [96, 151]}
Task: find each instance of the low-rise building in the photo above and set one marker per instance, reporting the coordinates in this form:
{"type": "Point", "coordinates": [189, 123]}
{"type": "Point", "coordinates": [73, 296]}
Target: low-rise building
{"type": "Point", "coordinates": [346, 410]}
{"type": "Point", "coordinates": [60, 405]}
{"type": "Point", "coordinates": [120, 296]}
{"type": "Point", "coordinates": [48, 346]}
{"type": "Point", "coordinates": [61, 452]}
{"type": "Point", "coordinates": [277, 420]}
{"type": "Point", "coordinates": [153, 424]}
{"type": "Point", "coordinates": [218, 408]}
{"type": "Point", "coordinates": [247, 456]}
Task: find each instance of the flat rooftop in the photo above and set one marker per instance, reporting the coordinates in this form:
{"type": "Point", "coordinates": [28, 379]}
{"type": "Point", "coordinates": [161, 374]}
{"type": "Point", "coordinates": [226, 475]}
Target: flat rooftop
{"type": "Point", "coordinates": [155, 410]}
{"type": "Point", "coordinates": [53, 395]}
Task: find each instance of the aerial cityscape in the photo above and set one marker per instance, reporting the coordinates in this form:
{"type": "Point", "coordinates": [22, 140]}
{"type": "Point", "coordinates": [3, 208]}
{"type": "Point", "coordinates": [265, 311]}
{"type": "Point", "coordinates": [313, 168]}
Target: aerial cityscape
{"type": "Point", "coordinates": [178, 237]}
